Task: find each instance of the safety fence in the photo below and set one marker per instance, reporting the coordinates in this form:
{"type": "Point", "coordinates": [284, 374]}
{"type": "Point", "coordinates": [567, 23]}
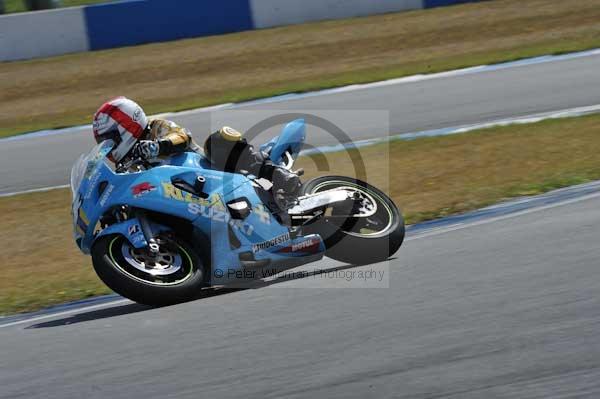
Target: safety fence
{"type": "Point", "coordinates": [126, 23]}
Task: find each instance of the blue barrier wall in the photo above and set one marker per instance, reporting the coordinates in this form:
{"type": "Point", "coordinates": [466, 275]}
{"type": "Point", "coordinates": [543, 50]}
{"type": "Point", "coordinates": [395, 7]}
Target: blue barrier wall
{"type": "Point", "coordinates": [442, 3]}
{"type": "Point", "coordinates": [146, 21]}
{"type": "Point", "coordinates": [131, 22]}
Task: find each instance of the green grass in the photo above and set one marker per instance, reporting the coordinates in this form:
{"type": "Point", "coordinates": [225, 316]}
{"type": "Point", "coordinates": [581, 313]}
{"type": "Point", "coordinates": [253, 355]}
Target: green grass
{"type": "Point", "coordinates": [440, 176]}
{"type": "Point", "coordinates": [19, 5]}
{"type": "Point", "coordinates": [428, 178]}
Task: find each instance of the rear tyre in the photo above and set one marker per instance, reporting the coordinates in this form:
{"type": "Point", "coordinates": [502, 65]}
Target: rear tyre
{"type": "Point", "coordinates": [358, 240]}
{"type": "Point", "coordinates": [174, 275]}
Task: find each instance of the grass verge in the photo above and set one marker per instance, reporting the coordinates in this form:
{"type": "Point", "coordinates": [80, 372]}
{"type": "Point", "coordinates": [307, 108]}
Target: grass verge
{"type": "Point", "coordinates": [429, 178]}
{"type": "Point", "coordinates": [65, 91]}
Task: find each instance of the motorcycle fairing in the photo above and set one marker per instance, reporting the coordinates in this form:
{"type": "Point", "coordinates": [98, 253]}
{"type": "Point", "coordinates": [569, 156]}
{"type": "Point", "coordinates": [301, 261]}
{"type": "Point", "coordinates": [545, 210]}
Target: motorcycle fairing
{"type": "Point", "coordinates": [290, 140]}
{"type": "Point", "coordinates": [261, 240]}
{"type": "Point", "coordinates": [131, 229]}
{"type": "Point", "coordinates": [97, 189]}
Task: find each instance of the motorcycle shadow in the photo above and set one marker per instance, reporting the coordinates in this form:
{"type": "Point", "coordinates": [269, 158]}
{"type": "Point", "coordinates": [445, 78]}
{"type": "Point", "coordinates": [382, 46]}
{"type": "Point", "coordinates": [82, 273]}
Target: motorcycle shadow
{"type": "Point", "coordinates": [93, 315]}
{"type": "Point", "coordinates": [136, 307]}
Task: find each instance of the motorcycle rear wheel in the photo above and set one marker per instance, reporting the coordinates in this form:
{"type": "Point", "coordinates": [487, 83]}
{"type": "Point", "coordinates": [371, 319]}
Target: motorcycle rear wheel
{"type": "Point", "coordinates": [176, 274]}
{"type": "Point", "coordinates": [358, 240]}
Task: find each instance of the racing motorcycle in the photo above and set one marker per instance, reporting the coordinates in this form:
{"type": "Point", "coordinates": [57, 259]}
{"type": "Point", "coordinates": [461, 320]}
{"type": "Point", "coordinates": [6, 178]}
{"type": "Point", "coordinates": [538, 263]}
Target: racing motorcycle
{"type": "Point", "coordinates": [159, 234]}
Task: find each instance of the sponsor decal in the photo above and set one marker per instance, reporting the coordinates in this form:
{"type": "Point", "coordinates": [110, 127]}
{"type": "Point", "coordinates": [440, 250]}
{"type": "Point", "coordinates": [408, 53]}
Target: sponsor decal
{"type": "Point", "coordinates": [172, 192]}
{"type": "Point", "coordinates": [133, 229]}
{"type": "Point", "coordinates": [211, 208]}
{"type": "Point", "coordinates": [263, 213]}
{"type": "Point", "coordinates": [218, 215]}
{"type": "Point", "coordinates": [310, 246]}
{"type": "Point", "coordinates": [83, 216]}
{"type": "Point", "coordinates": [141, 189]}
{"type": "Point", "coordinates": [92, 182]}
{"type": "Point", "coordinates": [82, 222]}
{"type": "Point", "coordinates": [92, 163]}
{"type": "Point", "coordinates": [75, 208]}
{"type": "Point", "coordinates": [137, 114]}
{"type": "Point", "coordinates": [106, 194]}
{"type": "Point", "coordinates": [214, 202]}
{"type": "Point", "coordinates": [100, 121]}
{"type": "Point", "coordinates": [271, 243]}
{"type": "Point", "coordinates": [135, 234]}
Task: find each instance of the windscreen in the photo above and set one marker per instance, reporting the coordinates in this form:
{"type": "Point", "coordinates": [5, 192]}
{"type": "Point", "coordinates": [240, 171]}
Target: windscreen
{"type": "Point", "coordinates": [87, 163]}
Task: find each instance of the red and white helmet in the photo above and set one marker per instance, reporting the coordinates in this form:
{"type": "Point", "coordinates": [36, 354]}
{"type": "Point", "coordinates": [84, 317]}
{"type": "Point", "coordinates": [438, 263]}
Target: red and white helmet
{"type": "Point", "coordinates": [121, 120]}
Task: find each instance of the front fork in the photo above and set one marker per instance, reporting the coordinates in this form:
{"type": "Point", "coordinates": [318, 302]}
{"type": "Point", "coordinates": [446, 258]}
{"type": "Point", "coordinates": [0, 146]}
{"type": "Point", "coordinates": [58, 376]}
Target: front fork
{"type": "Point", "coordinates": [138, 230]}
{"type": "Point", "coordinates": [153, 246]}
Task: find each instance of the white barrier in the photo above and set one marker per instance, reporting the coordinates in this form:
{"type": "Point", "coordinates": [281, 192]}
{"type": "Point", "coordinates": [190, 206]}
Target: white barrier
{"type": "Point", "coordinates": [96, 27]}
{"type": "Point", "coordinates": [42, 34]}
{"type": "Point", "coordinates": [268, 13]}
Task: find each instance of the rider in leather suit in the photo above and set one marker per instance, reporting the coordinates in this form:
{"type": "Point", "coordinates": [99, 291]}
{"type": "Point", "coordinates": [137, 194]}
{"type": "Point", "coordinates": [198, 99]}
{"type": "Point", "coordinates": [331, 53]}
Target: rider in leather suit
{"type": "Point", "coordinates": [125, 122]}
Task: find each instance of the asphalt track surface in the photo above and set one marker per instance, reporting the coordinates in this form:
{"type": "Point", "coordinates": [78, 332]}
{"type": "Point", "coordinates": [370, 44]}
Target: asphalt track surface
{"type": "Point", "coordinates": [499, 308]}
{"type": "Point", "coordinates": [453, 100]}
{"type": "Point", "coordinates": [505, 307]}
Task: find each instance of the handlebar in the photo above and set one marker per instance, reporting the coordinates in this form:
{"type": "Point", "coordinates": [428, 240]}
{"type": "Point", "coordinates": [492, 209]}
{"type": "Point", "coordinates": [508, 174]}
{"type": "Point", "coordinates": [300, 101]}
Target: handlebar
{"type": "Point", "coordinates": [130, 163]}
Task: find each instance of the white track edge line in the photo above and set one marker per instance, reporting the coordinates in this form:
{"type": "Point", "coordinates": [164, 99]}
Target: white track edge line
{"type": "Point", "coordinates": [65, 312]}
{"type": "Point", "coordinates": [34, 190]}
{"type": "Point", "coordinates": [460, 226]}
{"type": "Point", "coordinates": [543, 59]}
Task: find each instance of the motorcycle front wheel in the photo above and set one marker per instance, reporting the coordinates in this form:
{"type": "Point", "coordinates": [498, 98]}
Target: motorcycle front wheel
{"type": "Point", "coordinates": [358, 240]}
{"type": "Point", "coordinates": [175, 274]}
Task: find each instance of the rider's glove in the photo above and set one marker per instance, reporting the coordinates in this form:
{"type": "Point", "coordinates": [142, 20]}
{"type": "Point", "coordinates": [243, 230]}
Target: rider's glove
{"type": "Point", "coordinates": [147, 149]}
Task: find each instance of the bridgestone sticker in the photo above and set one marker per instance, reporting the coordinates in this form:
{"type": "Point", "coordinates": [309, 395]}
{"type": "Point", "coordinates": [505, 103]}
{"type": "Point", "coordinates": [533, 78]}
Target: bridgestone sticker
{"type": "Point", "coordinates": [271, 243]}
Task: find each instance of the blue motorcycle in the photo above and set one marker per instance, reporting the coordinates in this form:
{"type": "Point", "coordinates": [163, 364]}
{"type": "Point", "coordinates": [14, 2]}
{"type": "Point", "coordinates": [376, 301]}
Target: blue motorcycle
{"type": "Point", "coordinates": [158, 234]}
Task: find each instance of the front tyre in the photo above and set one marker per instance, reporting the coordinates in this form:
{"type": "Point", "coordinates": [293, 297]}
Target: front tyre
{"type": "Point", "coordinates": [358, 240]}
{"type": "Point", "coordinates": [175, 274]}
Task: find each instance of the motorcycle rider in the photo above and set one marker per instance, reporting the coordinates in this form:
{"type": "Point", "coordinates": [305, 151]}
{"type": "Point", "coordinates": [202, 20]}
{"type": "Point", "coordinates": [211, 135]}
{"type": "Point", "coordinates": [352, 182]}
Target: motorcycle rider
{"type": "Point", "coordinates": [124, 121]}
